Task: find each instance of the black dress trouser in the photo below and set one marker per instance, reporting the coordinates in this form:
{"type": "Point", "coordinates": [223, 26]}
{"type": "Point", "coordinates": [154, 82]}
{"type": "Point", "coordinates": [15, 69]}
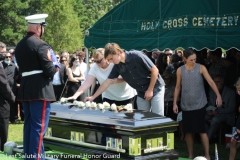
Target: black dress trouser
{"type": "Point", "coordinates": [58, 89]}
{"type": "Point", "coordinates": [4, 122]}
{"type": "Point", "coordinates": [13, 112]}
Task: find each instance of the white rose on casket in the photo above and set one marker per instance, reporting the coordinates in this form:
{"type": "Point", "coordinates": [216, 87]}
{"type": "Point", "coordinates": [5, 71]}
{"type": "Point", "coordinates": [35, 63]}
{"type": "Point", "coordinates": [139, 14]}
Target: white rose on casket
{"type": "Point", "coordinates": [94, 105]}
{"type": "Point", "coordinates": [63, 100]}
{"type": "Point", "coordinates": [113, 107]}
{"type": "Point", "coordinates": [128, 106]}
{"type": "Point", "coordinates": [75, 103]}
{"type": "Point", "coordinates": [88, 104]}
{"type": "Point", "coordinates": [106, 105]}
{"type": "Point", "coordinates": [101, 106]}
{"type": "Point", "coordinates": [81, 104]}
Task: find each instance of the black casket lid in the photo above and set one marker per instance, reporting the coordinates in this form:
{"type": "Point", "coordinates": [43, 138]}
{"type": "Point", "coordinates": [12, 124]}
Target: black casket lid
{"type": "Point", "coordinates": [135, 119]}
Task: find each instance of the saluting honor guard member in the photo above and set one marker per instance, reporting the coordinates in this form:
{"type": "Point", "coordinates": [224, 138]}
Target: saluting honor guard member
{"type": "Point", "coordinates": [36, 90]}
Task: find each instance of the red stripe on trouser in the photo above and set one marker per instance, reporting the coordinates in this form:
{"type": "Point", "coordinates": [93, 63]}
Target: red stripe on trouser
{"type": "Point", "coordinates": [42, 129]}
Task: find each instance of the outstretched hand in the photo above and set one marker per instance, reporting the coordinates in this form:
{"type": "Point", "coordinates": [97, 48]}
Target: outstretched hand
{"type": "Point", "coordinates": [72, 98]}
{"type": "Point", "coordinates": [88, 99]}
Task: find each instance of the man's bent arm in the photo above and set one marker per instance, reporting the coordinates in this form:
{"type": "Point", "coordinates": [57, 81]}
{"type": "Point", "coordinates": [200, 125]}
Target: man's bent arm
{"type": "Point", "coordinates": [154, 77]}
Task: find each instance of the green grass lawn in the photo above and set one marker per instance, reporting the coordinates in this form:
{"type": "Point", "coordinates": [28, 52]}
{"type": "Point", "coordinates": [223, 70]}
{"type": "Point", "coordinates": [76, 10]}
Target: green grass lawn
{"type": "Point", "coordinates": [223, 152]}
{"type": "Point", "coordinates": [16, 134]}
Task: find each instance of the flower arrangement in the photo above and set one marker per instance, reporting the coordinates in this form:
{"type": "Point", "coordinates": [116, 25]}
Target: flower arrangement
{"type": "Point", "coordinates": [102, 106]}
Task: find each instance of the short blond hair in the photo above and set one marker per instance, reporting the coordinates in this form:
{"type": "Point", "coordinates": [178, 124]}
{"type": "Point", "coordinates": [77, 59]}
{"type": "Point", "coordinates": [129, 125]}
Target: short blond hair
{"type": "Point", "coordinates": [98, 52]}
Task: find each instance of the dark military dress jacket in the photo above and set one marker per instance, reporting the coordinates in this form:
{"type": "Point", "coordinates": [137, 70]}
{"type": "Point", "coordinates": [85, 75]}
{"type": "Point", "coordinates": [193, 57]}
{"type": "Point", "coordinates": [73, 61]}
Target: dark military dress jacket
{"type": "Point", "coordinates": [32, 54]}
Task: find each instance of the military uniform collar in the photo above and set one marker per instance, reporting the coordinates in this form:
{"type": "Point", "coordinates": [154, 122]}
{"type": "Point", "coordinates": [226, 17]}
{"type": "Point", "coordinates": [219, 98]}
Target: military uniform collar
{"type": "Point", "coordinates": [31, 33]}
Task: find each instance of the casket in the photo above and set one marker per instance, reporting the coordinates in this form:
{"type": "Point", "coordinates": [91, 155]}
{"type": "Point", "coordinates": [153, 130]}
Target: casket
{"type": "Point", "coordinates": [93, 133]}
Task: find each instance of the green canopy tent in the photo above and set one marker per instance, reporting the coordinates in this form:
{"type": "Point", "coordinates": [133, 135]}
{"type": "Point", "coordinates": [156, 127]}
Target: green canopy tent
{"type": "Point", "coordinates": [149, 24]}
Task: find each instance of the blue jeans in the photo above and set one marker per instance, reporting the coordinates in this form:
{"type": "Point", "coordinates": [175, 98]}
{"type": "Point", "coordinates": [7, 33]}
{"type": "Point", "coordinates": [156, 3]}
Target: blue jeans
{"type": "Point", "coordinates": [36, 118]}
{"type": "Point", "coordinates": [155, 105]}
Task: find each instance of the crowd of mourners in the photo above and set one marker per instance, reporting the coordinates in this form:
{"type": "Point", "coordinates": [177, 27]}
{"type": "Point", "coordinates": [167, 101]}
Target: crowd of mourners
{"type": "Point", "coordinates": [73, 80]}
{"type": "Point", "coordinates": [224, 70]}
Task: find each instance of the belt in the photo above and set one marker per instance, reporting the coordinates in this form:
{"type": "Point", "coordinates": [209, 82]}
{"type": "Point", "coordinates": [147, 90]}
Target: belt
{"type": "Point", "coordinates": [31, 73]}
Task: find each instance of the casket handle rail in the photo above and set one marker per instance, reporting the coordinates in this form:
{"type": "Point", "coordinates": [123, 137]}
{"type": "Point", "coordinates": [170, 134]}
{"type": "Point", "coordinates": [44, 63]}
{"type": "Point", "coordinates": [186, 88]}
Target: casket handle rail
{"type": "Point", "coordinates": [53, 113]}
{"type": "Point", "coordinates": [85, 144]}
{"type": "Point", "coordinates": [149, 150]}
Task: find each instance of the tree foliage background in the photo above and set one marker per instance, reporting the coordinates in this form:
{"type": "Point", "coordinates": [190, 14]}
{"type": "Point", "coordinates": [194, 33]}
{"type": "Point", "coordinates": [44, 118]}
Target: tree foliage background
{"type": "Point", "coordinates": [67, 20]}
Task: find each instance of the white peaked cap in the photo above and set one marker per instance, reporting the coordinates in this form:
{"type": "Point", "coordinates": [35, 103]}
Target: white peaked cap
{"type": "Point", "coordinates": [37, 18]}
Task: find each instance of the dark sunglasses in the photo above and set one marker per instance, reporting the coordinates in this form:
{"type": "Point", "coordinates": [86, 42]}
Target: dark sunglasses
{"type": "Point", "coordinates": [57, 57]}
{"type": "Point", "coordinates": [63, 60]}
{"type": "Point", "coordinates": [98, 61]}
{"type": "Point", "coordinates": [8, 57]}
